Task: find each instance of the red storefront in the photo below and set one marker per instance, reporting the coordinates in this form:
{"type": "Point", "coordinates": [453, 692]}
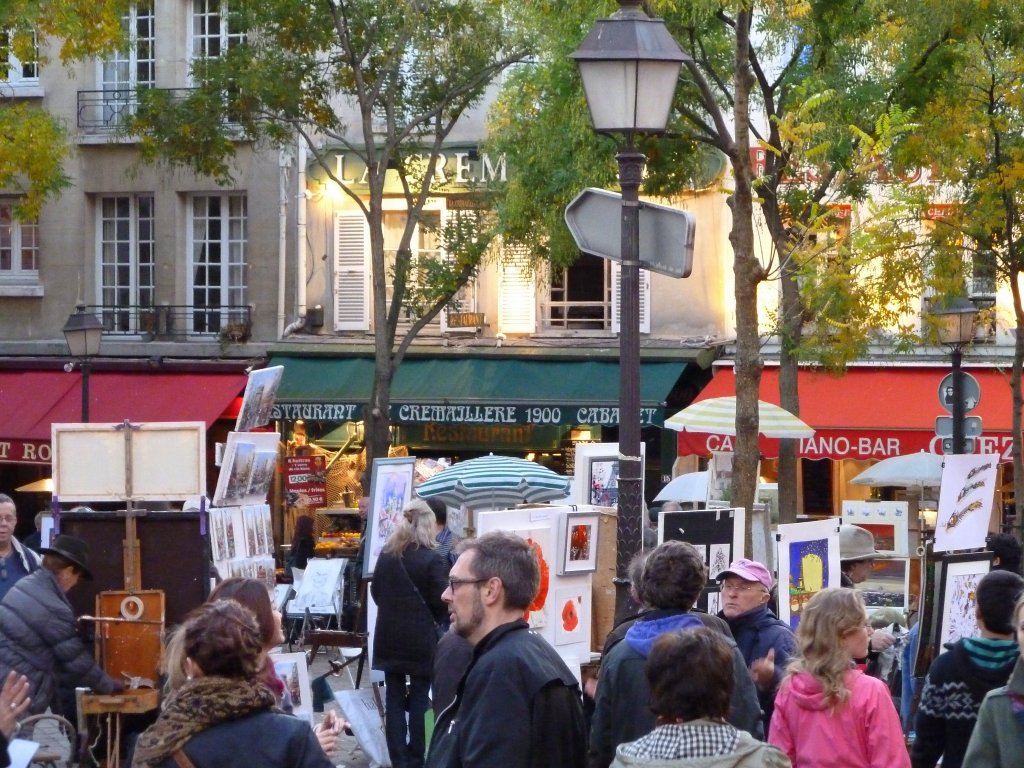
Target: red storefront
{"type": "Point", "coordinates": [869, 412]}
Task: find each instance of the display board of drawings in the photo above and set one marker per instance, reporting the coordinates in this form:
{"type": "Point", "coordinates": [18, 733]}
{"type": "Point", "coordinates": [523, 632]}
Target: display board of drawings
{"type": "Point", "coordinates": [718, 536]}
{"type": "Point", "coordinates": [966, 497]}
{"type": "Point", "coordinates": [241, 535]}
{"type": "Point", "coordinates": [564, 541]}
{"type": "Point", "coordinates": [242, 542]}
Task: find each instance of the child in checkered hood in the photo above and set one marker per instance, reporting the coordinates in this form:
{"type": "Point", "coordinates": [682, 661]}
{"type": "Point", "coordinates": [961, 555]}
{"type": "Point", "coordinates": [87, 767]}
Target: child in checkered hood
{"type": "Point", "coordinates": [690, 674]}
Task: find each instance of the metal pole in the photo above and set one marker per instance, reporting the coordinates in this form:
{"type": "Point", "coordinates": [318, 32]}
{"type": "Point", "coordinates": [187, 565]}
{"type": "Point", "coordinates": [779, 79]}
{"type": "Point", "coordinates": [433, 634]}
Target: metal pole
{"type": "Point", "coordinates": [85, 390]}
{"type": "Point", "coordinates": [630, 513]}
{"type": "Point", "coordinates": [958, 401]}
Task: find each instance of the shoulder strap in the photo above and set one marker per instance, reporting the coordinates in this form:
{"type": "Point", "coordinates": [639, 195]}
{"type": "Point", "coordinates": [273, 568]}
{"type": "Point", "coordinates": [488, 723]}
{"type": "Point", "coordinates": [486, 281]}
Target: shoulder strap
{"type": "Point", "coordinates": [412, 583]}
{"type": "Point", "coordinates": [181, 759]}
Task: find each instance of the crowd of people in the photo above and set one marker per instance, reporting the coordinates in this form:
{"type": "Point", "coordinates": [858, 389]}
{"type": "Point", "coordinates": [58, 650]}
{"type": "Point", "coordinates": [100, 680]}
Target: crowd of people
{"type": "Point", "coordinates": [676, 686]}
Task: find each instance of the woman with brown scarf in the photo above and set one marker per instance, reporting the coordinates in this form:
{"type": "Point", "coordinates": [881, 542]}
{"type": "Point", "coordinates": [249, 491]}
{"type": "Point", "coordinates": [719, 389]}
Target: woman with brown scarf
{"type": "Point", "coordinates": [223, 711]}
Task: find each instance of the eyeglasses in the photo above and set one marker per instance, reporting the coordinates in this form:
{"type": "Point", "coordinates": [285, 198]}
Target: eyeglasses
{"type": "Point", "coordinates": [742, 587]}
{"type": "Point", "coordinates": [453, 583]}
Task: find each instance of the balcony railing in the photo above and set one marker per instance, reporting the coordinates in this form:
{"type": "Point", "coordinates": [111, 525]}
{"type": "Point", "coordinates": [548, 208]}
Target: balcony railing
{"type": "Point", "coordinates": [108, 110]}
{"type": "Point", "coordinates": [175, 321]}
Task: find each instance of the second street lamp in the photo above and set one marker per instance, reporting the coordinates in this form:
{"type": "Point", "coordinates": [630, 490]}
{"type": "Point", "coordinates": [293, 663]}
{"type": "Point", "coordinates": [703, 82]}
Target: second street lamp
{"type": "Point", "coordinates": [629, 65]}
{"type": "Point", "coordinates": [954, 324]}
{"type": "Point", "coordinates": [83, 332]}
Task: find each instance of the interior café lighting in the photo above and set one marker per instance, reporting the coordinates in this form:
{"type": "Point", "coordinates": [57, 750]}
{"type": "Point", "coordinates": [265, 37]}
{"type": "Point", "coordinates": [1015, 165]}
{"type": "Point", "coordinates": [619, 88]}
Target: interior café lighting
{"type": "Point", "coordinates": [580, 435]}
{"type": "Point", "coordinates": [928, 516]}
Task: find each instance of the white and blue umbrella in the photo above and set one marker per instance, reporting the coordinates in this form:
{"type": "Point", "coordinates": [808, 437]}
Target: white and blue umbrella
{"type": "Point", "coordinates": [495, 482]}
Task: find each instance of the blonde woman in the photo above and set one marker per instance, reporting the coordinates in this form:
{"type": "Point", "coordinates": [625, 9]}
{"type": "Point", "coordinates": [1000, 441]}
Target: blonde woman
{"type": "Point", "coordinates": [408, 581]}
{"type": "Point", "coordinates": [828, 714]}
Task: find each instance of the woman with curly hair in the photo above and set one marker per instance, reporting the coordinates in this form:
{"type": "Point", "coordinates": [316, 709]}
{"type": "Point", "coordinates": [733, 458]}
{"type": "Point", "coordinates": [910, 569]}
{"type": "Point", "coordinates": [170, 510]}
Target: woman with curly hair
{"type": "Point", "coordinates": [828, 714]}
{"type": "Point", "coordinates": [223, 712]}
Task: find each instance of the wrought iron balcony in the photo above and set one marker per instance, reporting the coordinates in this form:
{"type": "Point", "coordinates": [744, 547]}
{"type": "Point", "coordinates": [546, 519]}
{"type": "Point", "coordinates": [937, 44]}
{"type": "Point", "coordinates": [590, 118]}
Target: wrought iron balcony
{"type": "Point", "coordinates": [109, 109]}
{"type": "Point", "coordinates": [175, 322]}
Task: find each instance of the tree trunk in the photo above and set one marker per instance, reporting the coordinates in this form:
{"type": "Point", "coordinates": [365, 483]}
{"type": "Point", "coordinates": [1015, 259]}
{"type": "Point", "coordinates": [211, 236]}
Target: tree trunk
{"type": "Point", "coordinates": [791, 328]}
{"type": "Point", "coordinates": [748, 273]}
{"type": "Point", "coordinates": [1018, 402]}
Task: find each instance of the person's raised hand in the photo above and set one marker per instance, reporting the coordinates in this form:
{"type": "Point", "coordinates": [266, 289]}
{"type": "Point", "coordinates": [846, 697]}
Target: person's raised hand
{"type": "Point", "coordinates": [763, 670]}
{"type": "Point", "coordinates": [14, 700]}
{"type": "Point", "coordinates": [880, 641]}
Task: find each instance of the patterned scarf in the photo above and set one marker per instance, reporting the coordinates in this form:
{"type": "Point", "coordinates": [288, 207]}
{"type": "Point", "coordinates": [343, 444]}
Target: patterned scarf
{"type": "Point", "coordinates": [194, 707]}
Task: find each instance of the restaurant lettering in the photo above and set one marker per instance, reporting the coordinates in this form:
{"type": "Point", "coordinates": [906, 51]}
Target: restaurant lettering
{"type": "Point", "coordinates": [483, 434]}
{"type": "Point", "coordinates": [317, 411]}
{"type": "Point", "coordinates": [24, 452]}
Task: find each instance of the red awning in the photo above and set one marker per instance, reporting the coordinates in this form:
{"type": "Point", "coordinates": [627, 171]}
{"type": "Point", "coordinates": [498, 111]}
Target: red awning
{"type": "Point", "coordinates": [868, 413]}
{"type": "Point", "coordinates": [31, 401]}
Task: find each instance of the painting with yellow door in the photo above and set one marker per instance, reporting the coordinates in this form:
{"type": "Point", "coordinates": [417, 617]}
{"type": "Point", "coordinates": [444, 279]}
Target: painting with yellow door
{"type": "Point", "coordinates": [808, 559]}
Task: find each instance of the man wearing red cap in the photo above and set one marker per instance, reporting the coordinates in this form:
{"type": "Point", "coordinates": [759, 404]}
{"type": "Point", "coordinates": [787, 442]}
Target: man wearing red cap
{"type": "Point", "coordinates": [764, 640]}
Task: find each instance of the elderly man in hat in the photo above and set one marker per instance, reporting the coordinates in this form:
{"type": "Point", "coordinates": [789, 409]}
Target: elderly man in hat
{"type": "Point", "coordinates": [857, 554]}
{"type": "Point", "coordinates": [37, 628]}
{"type": "Point", "coordinates": [766, 642]}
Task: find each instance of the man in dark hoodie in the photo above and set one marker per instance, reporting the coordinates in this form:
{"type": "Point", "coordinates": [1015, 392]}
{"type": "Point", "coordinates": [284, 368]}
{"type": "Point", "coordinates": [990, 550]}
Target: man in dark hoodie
{"type": "Point", "coordinates": [959, 679]}
{"type": "Point", "coordinates": [674, 575]}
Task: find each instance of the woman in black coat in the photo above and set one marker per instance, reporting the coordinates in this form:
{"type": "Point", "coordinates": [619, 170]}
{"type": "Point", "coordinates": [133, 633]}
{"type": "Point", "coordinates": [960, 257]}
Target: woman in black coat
{"type": "Point", "coordinates": [303, 544]}
{"type": "Point", "coordinates": [408, 581]}
{"type": "Point", "coordinates": [223, 714]}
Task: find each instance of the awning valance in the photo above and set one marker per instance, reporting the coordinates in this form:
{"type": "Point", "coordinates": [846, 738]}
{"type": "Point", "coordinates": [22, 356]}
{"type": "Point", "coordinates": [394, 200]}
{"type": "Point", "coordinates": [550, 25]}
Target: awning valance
{"type": "Point", "coordinates": [31, 401]}
{"type": "Point", "coordinates": [868, 413]}
{"type": "Point", "coordinates": [481, 390]}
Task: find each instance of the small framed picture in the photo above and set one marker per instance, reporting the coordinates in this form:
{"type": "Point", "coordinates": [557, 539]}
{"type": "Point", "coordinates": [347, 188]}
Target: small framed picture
{"type": "Point", "coordinates": [292, 670]}
{"type": "Point", "coordinates": [577, 542]}
{"type": "Point", "coordinates": [958, 589]}
{"type": "Point", "coordinates": [391, 484]}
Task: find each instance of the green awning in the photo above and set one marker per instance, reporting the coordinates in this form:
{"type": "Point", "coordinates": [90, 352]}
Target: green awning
{"type": "Point", "coordinates": [473, 390]}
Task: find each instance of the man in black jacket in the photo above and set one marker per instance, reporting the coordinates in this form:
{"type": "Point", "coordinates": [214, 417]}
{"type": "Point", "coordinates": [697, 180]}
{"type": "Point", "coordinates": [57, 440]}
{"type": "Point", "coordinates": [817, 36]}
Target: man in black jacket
{"type": "Point", "coordinates": [518, 705]}
{"type": "Point", "coordinates": [37, 628]}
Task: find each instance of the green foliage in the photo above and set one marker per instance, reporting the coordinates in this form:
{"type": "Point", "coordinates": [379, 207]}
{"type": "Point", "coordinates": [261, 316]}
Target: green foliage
{"type": "Point", "coordinates": [33, 147]}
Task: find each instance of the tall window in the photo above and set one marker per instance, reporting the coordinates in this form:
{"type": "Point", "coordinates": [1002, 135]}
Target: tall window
{"type": "Point", "coordinates": [581, 296]}
{"type": "Point", "coordinates": [123, 73]}
{"type": "Point", "coordinates": [18, 70]}
{"type": "Point", "coordinates": [425, 244]}
{"type": "Point", "coordinates": [219, 232]}
{"type": "Point", "coordinates": [126, 256]}
{"type": "Point", "coordinates": [19, 246]}
{"type": "Point", "coordinates": [211, 31]}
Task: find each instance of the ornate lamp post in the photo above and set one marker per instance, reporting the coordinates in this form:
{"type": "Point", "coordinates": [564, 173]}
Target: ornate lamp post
{"type": "Point", "coordinates": [954, 323]}
{"type": "Point", "coordinates": [629, 65]}
{"type": "Point", "coordinates": [83, 332]}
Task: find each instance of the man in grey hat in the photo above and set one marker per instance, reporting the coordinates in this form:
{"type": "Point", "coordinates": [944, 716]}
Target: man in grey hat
{"type": "Point", "coordinates": [37, 628]}
{"type": "Point", "coordinates": [857, 554]}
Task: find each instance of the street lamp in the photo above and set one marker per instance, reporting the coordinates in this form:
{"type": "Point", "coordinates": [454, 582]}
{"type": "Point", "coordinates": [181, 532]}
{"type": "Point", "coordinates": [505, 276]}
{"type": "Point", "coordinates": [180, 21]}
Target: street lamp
{"type": "Point", "coordinates": [83, 332]}
{"type": "Point", "coordinates": [629, 65]}
{"type": "Point", "coordinates": [954, 324]}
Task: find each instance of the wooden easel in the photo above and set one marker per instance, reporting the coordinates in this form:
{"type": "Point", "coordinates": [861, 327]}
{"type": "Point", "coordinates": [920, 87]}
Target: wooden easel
{"type": "Point", "coordinates": [336, 638]}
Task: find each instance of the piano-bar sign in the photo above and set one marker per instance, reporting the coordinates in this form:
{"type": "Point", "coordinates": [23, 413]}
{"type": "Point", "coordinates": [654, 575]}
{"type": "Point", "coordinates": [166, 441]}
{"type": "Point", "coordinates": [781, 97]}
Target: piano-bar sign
{"type": "Point", "coordinates": [465, 319]}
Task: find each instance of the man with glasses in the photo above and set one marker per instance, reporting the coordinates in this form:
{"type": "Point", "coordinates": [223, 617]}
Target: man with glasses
{"type": "Point", "coordinates": [518, 705]}
{"type": "Point", "coordinates": [767, 643]}
{"type": "Point", "coordinates": [16, 560]}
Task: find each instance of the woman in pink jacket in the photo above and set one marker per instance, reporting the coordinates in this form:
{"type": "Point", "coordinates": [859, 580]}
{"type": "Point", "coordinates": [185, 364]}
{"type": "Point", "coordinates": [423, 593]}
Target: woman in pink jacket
{"type": "Point", "coordinates": [827, 713]}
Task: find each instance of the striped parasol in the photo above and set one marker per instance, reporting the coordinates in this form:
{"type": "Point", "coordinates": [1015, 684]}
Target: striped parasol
{"type": "Point", "coordinates": [495, 482]}
{"type": "Point", "coordinates": [717, 416]}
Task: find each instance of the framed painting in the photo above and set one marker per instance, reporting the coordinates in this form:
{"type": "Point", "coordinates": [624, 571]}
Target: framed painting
{"type": "Point", "coordinates": [808, 558]}
{"type": "Point", "coordinates": [596, 474]}
{"type": "Point", "coordinates": [390, 491]}
{"type": "Point", "coordinates": [258, 399]}
{"type": "Point", "coordinates": [957, 595]}
{"type": "Point", "coordinates": [577, 542]}
{"type": "Point", "coordinates": [292, 670]}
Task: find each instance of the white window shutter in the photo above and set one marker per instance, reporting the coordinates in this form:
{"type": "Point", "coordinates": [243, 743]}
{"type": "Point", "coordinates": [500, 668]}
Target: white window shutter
{"type": "Point", "coordinates": [517, 312]}
{"type": "Point", "coordinates": [351, 272]}
{"type": "Point", "coordinates": [645, 298]}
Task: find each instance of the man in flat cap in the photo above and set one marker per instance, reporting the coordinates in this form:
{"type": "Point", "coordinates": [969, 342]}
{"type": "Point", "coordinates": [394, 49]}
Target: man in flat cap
{"type": "Point", "coordinates": [38, 637]}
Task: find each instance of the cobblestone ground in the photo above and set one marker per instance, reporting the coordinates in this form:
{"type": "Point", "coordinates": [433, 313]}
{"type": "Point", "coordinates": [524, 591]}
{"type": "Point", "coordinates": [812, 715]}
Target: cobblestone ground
{"type": "Point", "coordinates": [347, 754]}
